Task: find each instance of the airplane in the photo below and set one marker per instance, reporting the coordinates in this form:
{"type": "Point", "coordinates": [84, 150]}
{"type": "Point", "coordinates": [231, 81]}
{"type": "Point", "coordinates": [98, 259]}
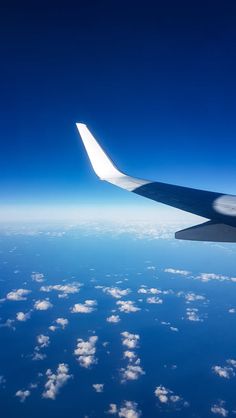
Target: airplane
{"type": "Point", "coordinates": [218, 208]}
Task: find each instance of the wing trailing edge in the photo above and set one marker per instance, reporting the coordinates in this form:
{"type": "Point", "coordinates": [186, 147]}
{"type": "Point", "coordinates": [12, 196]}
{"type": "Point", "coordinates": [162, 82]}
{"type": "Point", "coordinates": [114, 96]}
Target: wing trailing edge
{"type": "Point", "coordinates": [208, 231]}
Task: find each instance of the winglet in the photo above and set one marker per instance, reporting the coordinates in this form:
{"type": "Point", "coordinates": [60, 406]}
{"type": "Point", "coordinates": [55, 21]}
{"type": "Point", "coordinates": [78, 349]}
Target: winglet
{"type": "Point", "coordinates": [102, 164]}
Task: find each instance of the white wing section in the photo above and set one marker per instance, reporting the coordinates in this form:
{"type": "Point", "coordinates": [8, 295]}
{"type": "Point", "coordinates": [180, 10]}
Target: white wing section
{"type": "Point", "coordinates": [103, 166]}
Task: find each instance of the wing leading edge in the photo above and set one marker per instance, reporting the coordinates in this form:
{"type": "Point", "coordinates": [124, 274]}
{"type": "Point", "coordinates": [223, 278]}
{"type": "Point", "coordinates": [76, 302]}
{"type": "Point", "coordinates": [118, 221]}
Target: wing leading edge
{"type": "Point", "coordinates": [198, 202]}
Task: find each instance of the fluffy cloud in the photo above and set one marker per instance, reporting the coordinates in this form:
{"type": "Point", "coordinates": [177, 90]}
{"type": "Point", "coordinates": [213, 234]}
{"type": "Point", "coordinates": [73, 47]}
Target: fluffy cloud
{"type": "Point", "coordinates": [43, 340]}
{"type": "Point", "coordinates": [167, 396]}
{"type": "Point", "coordinates": [132, 371]}
{"type": "Point", "coordinates": [219, 409]}
{"type": "Point", "coordinates": [130, 340]}
{"type": "Point", "coordinates": [37, 277]}
{"type": "Point", "coordinates": [18, 295]}
{"type": "Point", "coordinates": [152, 291]}
{"type": "Point", "coordinates": [21, 316]}
{"type": "Point", "coordinates": [63, 322]}
{"type": "Point", "coordinates": [113, 319]}
{"type": "Point", "coordinates": [23, 394]}
{"type": "Point", "coordinates": [87, 307]}
{"type": "Point", "coordinates": [98, 387]}
{"type": "Point", "coordinates": [63, 290]}
{"type": "Point", "coordinates": [112, 409]}
{"type": "Point", "coordinates": [116, 292]}
{"type": "Point", "coordinates": [85, 351]}
{"type": "Point", "coordinates": [225, 371]}
{"type": "Point", "coordinates": [155, 300]}
{"type": "Point", "coordinates": [206, 277]}
{"type": "Point", "coordinates": [129, 410]}
{"type": "Point", "coordinates": [56, 381]}
{"type": "Point", "coordinates": [192, 315]}
{"type": "Point", "coordinates": [42, 305]}
{"type": "Point", "coordinates": [176, 271]}
{"type": "Point", "coordinates": [127, 306]}
{"type": "Point", "coordinates": [193, 297]}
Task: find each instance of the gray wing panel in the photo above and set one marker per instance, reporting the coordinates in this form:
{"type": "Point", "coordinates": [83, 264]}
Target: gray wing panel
{"type": "Point", "coordinates": [199, 202]}
{"type": "Point", "coordinates": [208, 231]}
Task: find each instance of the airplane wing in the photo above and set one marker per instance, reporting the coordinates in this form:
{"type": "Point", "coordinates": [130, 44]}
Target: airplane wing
{"type": "Point", "coordinates": [198, 202]}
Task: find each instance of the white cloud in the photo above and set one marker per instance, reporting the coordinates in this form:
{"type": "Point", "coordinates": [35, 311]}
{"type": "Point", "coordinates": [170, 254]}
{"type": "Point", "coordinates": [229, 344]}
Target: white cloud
{"type": "Point", "coordinates": [114, 319]}
{"type": "Point", "coordinates": [42, 305]}
{"type": "Point", "coordinates": [37, 277]}
{"type": "Point", "coordinates": [192, 315]}
{"type": "Point", "coordinates": [18, 295]}
{"type": "Point", "coordinates": [23, 394]}
{"type": "Point", "coordinates": [64, 290]}
{"type": "Point", "coordinates": [52, 328]}
{"type": "Point", "coordinates": [43, 340]}
{"type": "Point", "coordinates": [155, 300]}
{"type": "Point", "coordinates": [98, 387]}
{"type": "Point", "coordinates": [232, 310]}
{"type": "Point", "coordinates": [87, 307]}
{"type": "Point", "coordinates": [21, 316]}
{"type": "Point", "coordinates": [130, 340]}
{"type": "Point", "coordinates": [112, 409]}
{"type": "Point", "coordinates": [193, 297]}
{"type": "Point", "coordinates": [63, 322]}
{"type": "Point", "coordinates": [167, 396]}
{"type": "Point", "coordinates": [85, 351]}
{"type": "Point", "coordinates": [176, 271]}
{"type": "Point", "coordinates": [127, 306]}
{"type": "Point", "coordinates": [38, 356]}
{"type": "Point", "coordinates": [219, 409]}
{"type": "Point", "coordinates": [132, 371]}
{"type": "Point", "coordinates": [129, 410]}
{"type": "Point", "coordinates": [152, 291]}
{"type": "Point", "coordinates": [116, 292]}
{"type": "Point", "coordinates": [226, 372]}
{"type": "Point", "coordinates": [206, 277]}
{"type": "Point", "coordinates": [56, 381]}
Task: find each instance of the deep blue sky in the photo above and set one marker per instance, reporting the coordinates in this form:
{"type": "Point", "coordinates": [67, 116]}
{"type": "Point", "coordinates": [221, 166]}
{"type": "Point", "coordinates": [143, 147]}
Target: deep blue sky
{"type": "Point", "coordinates": [154, 80]}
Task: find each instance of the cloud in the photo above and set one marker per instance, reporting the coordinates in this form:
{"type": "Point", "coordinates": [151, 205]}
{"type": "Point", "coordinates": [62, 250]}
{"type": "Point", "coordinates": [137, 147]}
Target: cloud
{"type": "Point", "coordinates": [127, 306]}
{"type": "Point", "coordinates": [206, 277]}
{"type": "Point", "coordinates": [87, 307]}
{"type": "Point", "coordinates": [167, 396]}
{"type": "Point", "coordinates": [114, 319]}
{"type": "Point", "coordinates": [18, 295]}
{"type": "Point", "coordinates": [2, 382]}
{"type": "Point", "coordinates": [56, 381]}
{"type": "Point", "coordinates": [85, 351]}
{"type": "Point", "coordinates": [116, 292]}
{"type": "Point", "coordinates": [22, 395]}
{"type": "Point", "coordinates": [43, 340]}
{"type": "Point", "coordinates": [152, 291]}
{"type": "Point", "coordinates": [226, 372]}
{"type": "Point", "coordinates": [42, 305]}
{"type": "Point", "coordinates": [232, 310]}
{"type": "Point", "coordinates": [176, 271]}
{"type": "Point", "coordinates": [129, 409]}
{"type": "Point", "coordinates": [98, 387]}
{"type": "Point", "coordinates": [38, 356]}
{"type": "Point", "coordinates": [192, 315]}
{"type": "Point", "coordinates": [63, 322]}
{"type": "Point", "coordinates": [37, 277]}
{"type": "Point", "coordinates": [219, 409]}
{"type": "Point", "coordinates": [130, 340]}
{"type": "Point", "coordinates": [21, 316]}
{"type": "Point", "coordinates": [155, 300]}
{"type": "Point", "coordinates": [112, 409]}
{"type": "Point", "coordinates": [64, 290]}
{"type": "Point", "coordinates": [132, 371]}
{"type": "Point", "coordinates": [193, 297]}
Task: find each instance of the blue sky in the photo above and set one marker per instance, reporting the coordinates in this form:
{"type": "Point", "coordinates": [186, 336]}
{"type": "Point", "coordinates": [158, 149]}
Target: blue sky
{"type": "Point", "coordinates": [155, 82]}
